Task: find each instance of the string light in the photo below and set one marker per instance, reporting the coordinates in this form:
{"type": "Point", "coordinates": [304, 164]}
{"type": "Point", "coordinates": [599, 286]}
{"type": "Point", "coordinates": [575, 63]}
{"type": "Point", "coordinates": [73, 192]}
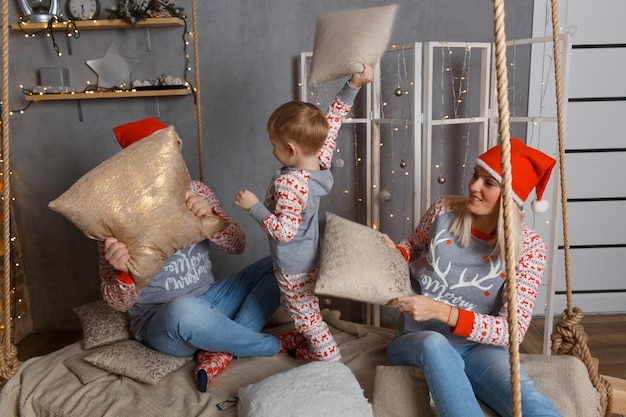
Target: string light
{"type": "Point", "coordinates": [21, 321]}
{"type": "Point", "coordinates": [72, 31]}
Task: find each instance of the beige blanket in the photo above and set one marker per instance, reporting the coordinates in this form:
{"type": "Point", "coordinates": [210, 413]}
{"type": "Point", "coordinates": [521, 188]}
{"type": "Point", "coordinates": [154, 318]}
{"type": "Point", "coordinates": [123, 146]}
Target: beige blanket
{"type": "Point", "coordinates": [44, 387]}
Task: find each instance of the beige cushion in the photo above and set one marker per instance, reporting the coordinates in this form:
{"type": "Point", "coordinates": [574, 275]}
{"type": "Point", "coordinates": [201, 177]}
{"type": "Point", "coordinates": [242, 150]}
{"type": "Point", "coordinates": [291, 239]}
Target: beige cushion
{"type": "Point", "coordinates": [357, 264]}
{"type": "Point", "coordinates": [101, 324]}
{"type": "Point", "coordinates": [346, 40]}
{"type": "Point", "coordinates": [138, 196]}
{"type": "Point", "coordinates": [311, 390]}
{"type": "Point", "coordinates": [400, 391]}
{"type": "Point", "coordinates": [564, 379]}
{"type": "Point", "coordinates": [134, 360]}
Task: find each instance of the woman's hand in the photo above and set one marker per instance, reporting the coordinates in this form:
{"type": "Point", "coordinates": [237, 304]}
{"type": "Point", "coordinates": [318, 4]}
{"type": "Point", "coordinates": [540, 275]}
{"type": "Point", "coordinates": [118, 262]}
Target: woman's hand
{"type": "Point", "coordinates": [116, 253]}
{"type": "Point", "coordinates": [421, 308]}
{"type": "Point", "coordinates": [197, 204]}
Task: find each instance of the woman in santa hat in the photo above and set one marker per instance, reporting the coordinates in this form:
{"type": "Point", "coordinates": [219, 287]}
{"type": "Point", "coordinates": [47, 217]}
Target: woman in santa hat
{"type": "Point", "coordinates": [455, 327]}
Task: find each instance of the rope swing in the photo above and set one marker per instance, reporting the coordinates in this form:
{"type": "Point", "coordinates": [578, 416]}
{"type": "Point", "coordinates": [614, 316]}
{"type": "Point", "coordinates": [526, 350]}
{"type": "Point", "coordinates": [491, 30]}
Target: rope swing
{"type": "Point", "coordinates": [569, 336]}
{"type": "Point", "coordinates": [8, 351]}
{"type": "Point", "coordinates": [508, 205]}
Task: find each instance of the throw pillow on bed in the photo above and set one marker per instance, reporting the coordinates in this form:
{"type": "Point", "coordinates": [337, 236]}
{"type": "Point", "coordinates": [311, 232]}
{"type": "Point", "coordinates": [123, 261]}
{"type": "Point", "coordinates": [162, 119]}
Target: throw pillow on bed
{"type": "Point", "coordinates": [134, 360]}
{"type": "Point", "coordinates": [101, 324]}
{"type": "Point", "coordinates": [357, 264]}
{"type": "Point", "coordinates": [345, 40]}
{"type": "Point", "coordinates": [138, 196]}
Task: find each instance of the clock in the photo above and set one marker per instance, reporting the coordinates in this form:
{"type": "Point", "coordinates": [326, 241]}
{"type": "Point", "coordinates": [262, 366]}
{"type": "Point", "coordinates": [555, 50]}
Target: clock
{"type": "Point", "coordinates": [83, 9]}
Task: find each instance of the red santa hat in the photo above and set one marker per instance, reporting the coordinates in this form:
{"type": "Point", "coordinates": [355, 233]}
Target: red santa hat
{"type": "Point", "coordinates": [530, 169]}
{"type": "Point", "coordinates": [129, 133]}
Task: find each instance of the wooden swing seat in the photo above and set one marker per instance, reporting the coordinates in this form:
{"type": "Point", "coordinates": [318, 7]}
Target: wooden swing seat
{"type": "Point", "coordinates": [562, 378]}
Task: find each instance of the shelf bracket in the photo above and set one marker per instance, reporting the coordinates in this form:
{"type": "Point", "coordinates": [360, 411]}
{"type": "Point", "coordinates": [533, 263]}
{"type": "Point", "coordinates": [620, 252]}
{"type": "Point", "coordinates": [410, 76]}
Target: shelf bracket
{"type": "Point", "coordinates": [79, 108]}
{"type": "Point", "coordinates": [157, 109]}
{"type": "Point", "coordinates": [147, 41]}
{"type": "Point", "coordinates": [68, 42]}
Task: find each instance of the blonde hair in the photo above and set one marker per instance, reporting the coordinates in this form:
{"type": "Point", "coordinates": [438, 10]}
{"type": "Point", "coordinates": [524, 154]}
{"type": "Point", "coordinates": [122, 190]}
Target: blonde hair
{"type": "Point", "coordinates": [462, 226]}
{"type": "Point", "coordinates": [301, 123]}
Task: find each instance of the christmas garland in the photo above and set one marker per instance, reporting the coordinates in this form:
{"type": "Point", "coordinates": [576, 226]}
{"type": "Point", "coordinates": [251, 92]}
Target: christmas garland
{"type": "Point", "coordinates": [132, 11]}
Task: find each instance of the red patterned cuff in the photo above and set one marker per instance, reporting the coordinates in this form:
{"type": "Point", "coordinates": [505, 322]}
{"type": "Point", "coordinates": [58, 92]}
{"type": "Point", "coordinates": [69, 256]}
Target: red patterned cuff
{"type": "Point", "coordinates": [124, 277]}
{"type": "Point", "coordinates": [404, 253]}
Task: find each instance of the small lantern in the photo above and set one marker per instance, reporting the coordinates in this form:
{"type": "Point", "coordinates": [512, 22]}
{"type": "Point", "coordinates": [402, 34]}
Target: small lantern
{"type": "Point", "coordinates": [39, 10]}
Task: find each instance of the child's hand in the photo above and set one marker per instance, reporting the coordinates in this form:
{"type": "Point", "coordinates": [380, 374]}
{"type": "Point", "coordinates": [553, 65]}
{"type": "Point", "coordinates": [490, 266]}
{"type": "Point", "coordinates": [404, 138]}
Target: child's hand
{"type": "Point", "coordinates": [197, 204]}
{"type": "Point", "coordinates": [360, 78]}
{"type": "Point", "coordinates": [245, 199]}
{"type": "Point", "coordinates": [390, 244]}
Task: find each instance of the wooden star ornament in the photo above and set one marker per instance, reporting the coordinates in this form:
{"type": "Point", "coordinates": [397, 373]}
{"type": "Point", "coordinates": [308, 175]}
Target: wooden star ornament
{"type": "Point", "coordinates": [113, 70]}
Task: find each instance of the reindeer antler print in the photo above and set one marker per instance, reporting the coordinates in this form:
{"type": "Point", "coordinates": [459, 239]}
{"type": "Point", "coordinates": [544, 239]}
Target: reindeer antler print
{"type": "Point", "coordinates": [494, 272]}
{"type": "Point", "coordinates": [435, 262]}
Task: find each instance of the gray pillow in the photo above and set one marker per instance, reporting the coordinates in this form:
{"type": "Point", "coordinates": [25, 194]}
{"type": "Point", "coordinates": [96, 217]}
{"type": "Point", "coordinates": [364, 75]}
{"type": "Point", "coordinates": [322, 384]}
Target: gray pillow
{"type": "Point", "coordinates": [346, 40]}
{"type": "Point", "coordinates": [101, 324]}
{"type": "Point", "coordinates": [134, 360]}
{"type": "Point", "coordinates": [357, 264]}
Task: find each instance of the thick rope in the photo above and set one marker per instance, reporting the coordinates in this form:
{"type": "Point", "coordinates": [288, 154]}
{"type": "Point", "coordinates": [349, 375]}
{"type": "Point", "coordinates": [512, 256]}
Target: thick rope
{"type": "Point", "coordinates": [8, 353]}
{"type": "Point", "coordinates": [508, 205]}
{"type": "Point", "coordinates": [196, 62]}
{"type": "Point", "coordinates": [569, 336]}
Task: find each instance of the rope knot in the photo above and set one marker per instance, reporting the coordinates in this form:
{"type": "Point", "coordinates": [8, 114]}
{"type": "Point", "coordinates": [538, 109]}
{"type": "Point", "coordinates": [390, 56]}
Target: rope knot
{"type": "Point", "coordinates": [9, 364]}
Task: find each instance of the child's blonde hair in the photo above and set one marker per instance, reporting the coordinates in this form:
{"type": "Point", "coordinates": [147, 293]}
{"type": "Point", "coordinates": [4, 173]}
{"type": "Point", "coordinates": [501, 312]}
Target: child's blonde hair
{"type": "Point", "coordinates": [462, 226]}
{"type": "Point", "coordinates": [301, 123]}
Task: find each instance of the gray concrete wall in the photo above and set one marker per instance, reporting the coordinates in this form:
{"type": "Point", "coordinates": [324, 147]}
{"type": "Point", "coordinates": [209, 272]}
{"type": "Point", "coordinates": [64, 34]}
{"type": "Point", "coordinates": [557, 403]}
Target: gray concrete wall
{"type": "Point", "coordinates": [248, 55]}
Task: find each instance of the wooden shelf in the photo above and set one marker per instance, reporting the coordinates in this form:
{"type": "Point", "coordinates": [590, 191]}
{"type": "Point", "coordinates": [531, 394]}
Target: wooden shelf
{"type": "Point", "coordinates": [108, 94]}
{"type": "Point", "coordinates": [154, 22]}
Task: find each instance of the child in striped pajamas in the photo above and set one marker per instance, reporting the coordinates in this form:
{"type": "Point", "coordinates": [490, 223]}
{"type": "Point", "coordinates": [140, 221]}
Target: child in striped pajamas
{"type": "Point", "coordinates": [303, 141]}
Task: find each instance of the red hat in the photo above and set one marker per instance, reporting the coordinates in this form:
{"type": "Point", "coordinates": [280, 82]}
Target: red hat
{"type": "Point", "coordinates": [530, 169]}
{"type": "Point", "coordinates": [129, 133]}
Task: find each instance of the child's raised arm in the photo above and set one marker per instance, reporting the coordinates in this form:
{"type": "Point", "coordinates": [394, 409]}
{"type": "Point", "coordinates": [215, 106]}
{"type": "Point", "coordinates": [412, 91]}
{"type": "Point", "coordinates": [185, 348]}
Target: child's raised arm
{"type": "Point", "coordinates": [338, 111]}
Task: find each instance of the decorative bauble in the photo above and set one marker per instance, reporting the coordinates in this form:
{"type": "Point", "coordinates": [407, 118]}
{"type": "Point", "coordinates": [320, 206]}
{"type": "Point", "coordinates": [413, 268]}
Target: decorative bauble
{"type": "Point", "coordinates": [402, 164]}
{"type": "Point", "coordinates": [398, 92]}
{"type": "Point", "coordinates": [385, 195]}
{"type": "Point", "coordinates": [339, 163]}
{"type": "Point", "coordinates": [441, 179]}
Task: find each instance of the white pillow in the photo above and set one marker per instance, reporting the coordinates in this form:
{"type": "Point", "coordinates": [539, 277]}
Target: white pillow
{"type": "Point", "coordinates": [346, 40]}
{"type": "Point", "coordinates": [311, 390]}
{"type": "Point", "coordinates": [358, 265]}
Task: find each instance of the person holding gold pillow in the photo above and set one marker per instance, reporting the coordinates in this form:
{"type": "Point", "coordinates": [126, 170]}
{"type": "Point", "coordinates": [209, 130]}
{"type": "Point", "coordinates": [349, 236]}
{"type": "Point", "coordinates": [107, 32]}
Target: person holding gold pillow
{"type": "Point", "coordinates": [185, 309]}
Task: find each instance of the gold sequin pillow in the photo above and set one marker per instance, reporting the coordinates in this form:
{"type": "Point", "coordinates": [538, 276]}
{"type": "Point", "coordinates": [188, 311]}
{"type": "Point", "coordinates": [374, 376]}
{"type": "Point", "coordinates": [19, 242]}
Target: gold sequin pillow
{"type": "Point", "coordinates": [347, 39]}
{"type": "Point", "coordinates": [357, 264]}
{"type": "Point", "coordinates": [138, 197]}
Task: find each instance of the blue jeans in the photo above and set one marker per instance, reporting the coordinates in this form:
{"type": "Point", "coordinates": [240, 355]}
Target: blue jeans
{"type": "Point", "coordinates": [459, 375]}
{"type": "Point", "coordinates": [226, 318]}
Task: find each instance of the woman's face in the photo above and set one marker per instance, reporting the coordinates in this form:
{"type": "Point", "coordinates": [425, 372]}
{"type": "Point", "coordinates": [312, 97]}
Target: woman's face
{"type": "Point", "coordinates": [484, 193]}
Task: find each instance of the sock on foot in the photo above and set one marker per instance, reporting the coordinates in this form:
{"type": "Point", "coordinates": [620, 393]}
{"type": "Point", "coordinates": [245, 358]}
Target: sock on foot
{"type": "Point", "coordinates": [330, 354]}
{"type": "Point", "coordinates": [290, 341]}
{"type": "Point", "coordinates": [209, 365]}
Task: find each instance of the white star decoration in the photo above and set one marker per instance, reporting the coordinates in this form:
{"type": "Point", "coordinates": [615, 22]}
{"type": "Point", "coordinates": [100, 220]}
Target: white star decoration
{"type": "Point", "coordinates": [113, 70]}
